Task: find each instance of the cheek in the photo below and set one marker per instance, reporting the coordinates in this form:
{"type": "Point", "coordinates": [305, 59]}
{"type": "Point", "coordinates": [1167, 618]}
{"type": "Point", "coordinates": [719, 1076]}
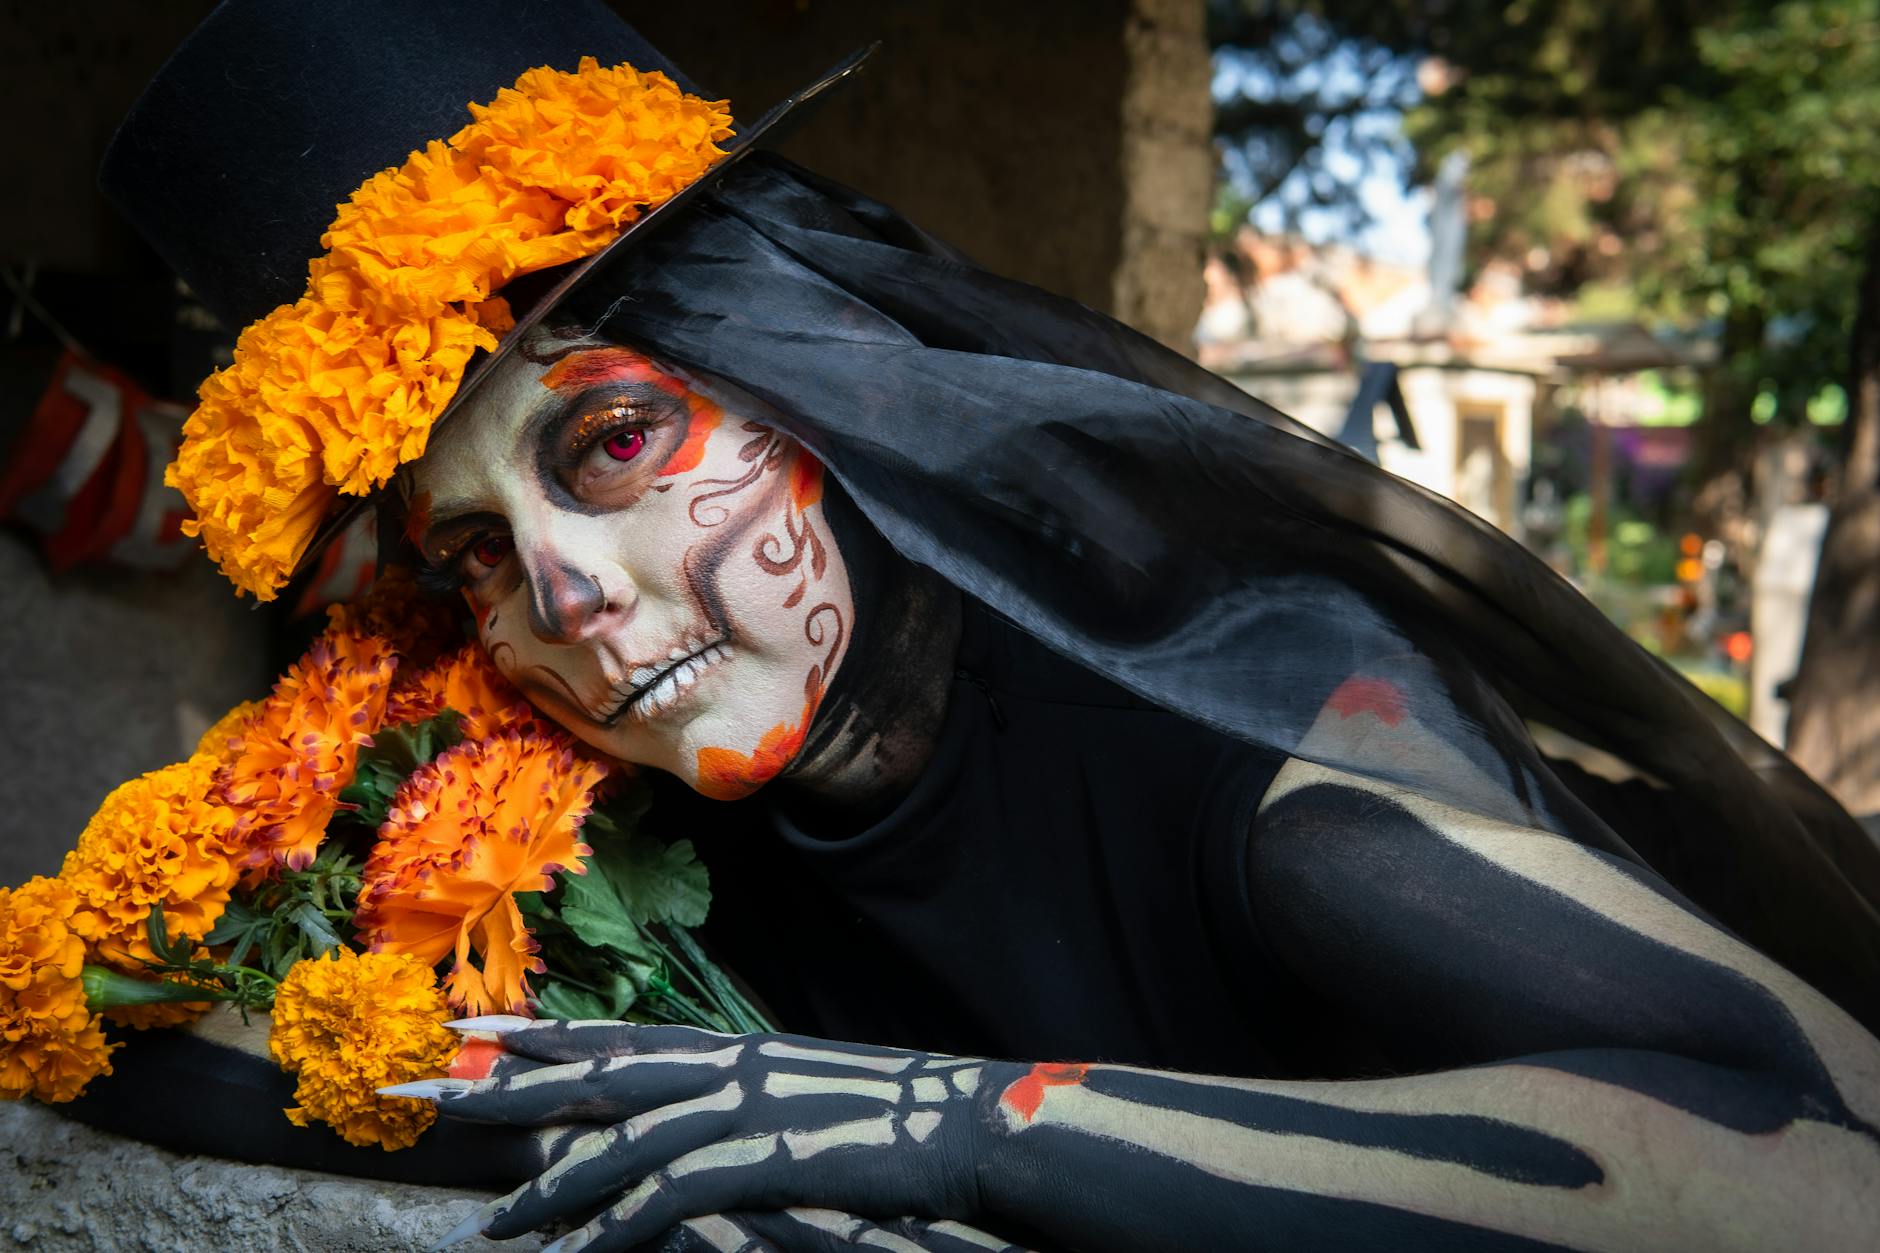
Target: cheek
{"type": "Point", "coordinates": [499, 606]}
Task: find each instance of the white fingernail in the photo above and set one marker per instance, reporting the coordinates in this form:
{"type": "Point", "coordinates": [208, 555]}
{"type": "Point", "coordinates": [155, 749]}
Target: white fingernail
{"type": "Point", "coordinates": [471, 1226]}
{"type": "Point", "coordinates": [429, 1089]}
{"type": "Point", "coordinates": [495, 1024]}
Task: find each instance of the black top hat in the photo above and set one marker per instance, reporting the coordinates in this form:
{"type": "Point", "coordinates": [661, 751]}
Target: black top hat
{"type": "Point", "coordinates": [234, 161]}
{"type": "Point", "coordinates": [273, 112]}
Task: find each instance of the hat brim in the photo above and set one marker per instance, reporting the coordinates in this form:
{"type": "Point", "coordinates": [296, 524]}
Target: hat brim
{"type": "Point", "coordinates": [768, 129]}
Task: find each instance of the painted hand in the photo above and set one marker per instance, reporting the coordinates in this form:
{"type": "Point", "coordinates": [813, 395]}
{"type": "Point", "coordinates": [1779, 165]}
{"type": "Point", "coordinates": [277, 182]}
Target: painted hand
{"type": "Point", "coordinates": [693, 1124]}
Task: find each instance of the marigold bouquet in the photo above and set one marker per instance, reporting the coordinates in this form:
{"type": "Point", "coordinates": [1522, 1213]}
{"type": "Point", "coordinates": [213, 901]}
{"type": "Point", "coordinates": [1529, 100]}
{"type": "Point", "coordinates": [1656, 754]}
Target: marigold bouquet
{"type": "Point", "coordinates": [393, 836]}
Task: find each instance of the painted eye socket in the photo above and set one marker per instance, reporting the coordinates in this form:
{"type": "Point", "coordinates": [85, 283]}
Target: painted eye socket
{"type": "Point", "coordinates": [625, 445]}
{"type": "Point", "coordinates": [491, 550]}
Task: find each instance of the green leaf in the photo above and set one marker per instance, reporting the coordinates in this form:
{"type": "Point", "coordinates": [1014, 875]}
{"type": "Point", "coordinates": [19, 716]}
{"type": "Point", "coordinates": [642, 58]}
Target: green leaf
{"type": "Point", "coordinates": [316, 930]}
{"type": "Point", "coordinates": [236, 922]}
{"type": "Point", "coordinates": [652, 881]}
{"type": "Point", "coordinates": [170, 952]}
{"type": "Point", "coordinates": [558, 1000]}
{"type": "Point", "coordinates": [396, 751]}
{"type": "Point", "coordinates": [157, 932]}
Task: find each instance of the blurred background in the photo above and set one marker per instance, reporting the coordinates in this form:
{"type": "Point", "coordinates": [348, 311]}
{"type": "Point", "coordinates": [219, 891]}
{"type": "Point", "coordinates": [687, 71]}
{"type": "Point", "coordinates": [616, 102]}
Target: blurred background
{"type": "Point", "coordinates": [1605, 272]}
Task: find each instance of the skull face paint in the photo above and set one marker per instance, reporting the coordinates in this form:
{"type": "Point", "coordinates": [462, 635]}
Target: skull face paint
{"type": "Point", "coordinates": [650, 570]}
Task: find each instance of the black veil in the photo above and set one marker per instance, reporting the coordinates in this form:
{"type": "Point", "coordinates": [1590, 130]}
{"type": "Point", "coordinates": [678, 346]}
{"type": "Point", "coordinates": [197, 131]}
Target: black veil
{"type": "Point", "coordinates": [1154, 523]}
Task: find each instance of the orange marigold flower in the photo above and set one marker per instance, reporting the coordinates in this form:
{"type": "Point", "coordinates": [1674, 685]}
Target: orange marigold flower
{"type": "Point", "coordinates": [301, 746]}
{"type": "Point", "coordinates": [468, 682]}
{"type": "Point", "coordinates": [332, 393]}
{"type": "Point", "coordinates": [467, 831]}
{"type": "Point", "coordinates": [221, 742]}
{"type": "Point", "coordinates": [159, 839]}
{"type": "Point", "coordinates": [419, 628]}
{"type": "Point", "coordinates": [51, 1044]}
{"type": "Point", "coordinates": [348, 1025]}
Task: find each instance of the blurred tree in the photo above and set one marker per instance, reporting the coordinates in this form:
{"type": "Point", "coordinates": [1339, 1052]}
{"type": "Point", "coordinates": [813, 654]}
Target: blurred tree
{"type": "Point", "coordinates": [1734, 181]}
{"type": "Point", "coordinates": [1712, 164]}
{"type": "Point", "coordinates": [1834, 703]}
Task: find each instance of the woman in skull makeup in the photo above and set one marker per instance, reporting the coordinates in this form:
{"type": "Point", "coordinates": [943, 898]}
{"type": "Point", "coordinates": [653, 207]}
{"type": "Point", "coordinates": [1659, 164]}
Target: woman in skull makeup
{"type": "Point", "coordinates": [1136, 817]}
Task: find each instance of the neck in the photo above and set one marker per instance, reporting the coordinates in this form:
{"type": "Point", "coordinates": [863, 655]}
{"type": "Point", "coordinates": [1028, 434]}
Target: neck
{"type": "Point", "coordinates": [878, 723]}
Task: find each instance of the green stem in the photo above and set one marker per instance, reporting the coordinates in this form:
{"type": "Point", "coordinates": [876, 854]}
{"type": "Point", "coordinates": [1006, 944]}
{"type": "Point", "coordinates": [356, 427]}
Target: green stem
{"type": "Point", "coordinates": [573, 982]}
{"type": "Point", "coordinates": [690, 1011]}
{"type": "Point", "coordinates": [673, 963]}
{"type": "Point", "coordinates": [108, 989]}
{"type": "Point", "coordinates": [745, 1017]}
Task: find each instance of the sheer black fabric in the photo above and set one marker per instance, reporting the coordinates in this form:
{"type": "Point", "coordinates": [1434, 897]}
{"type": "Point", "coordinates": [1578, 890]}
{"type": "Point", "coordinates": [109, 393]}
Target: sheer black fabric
{"type": "Point", "coordinates": [1154, 524]}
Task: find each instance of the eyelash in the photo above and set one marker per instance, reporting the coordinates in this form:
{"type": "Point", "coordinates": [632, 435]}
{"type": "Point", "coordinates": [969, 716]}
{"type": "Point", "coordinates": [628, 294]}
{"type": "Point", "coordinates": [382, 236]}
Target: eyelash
{"type": "Point", "coordinates": [440, 578]}
{"type": "Point", "coordinates": [601, 424]}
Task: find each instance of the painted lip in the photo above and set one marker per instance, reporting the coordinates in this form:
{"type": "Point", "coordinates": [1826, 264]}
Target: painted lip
{"type": "Point", "coordinates": [656, 689]}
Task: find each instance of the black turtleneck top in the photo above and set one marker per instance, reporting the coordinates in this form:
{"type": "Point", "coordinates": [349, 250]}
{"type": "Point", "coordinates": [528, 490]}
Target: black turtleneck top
{"type": "Point", "coordinates": [1064, 882]}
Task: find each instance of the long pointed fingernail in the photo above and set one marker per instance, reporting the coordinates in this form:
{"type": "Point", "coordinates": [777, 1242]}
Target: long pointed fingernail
{"type": "Point", "coordinates": [429, 1089]}
{"type": "Point", "coordinates": [495, 1024]}
{"type": "Point", "coordinates": [475, 1225]}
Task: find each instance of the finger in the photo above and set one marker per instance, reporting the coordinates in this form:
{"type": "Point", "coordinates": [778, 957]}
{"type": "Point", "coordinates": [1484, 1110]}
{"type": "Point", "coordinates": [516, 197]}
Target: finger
{"type": "Point", "coordinates": [824, 1231]}
{"type": "Point", "coordinates": [948, 1236]}
{"type": "Point", "coordinates": [751, 1173]}
{"type": "Point", "coordinates": [484, 1057]}
{"type": "Point", "coordinates": [595, 1166]}
{"type": "Point", "coordinates": [663, 1200]}
{"type": "Point", "coordinates": [602, 1089]}
{"type": "Point", "coordinates": [833, 1231]}
{"type": "Point", "coordinates": [570, 1040]}
{"type": "Point", "coordinates": [715, 1233]}
{"type": "Point", "coordinates": [535, 1151]}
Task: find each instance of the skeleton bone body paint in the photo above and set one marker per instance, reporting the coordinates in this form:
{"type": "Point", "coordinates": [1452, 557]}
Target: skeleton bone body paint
{"type": "Point", "coordinates": [651, 571]}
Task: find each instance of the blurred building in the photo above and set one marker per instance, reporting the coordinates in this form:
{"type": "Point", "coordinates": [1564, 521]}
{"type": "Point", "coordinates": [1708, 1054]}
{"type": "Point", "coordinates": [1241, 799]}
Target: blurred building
{"type": "Point", "coordinates": [1484, 373]}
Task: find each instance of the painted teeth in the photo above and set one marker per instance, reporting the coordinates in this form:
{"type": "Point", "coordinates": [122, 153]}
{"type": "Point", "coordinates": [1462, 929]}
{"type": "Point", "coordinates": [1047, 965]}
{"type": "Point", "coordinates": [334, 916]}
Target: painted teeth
{"type": "Point", "coordinates": [662, 695]}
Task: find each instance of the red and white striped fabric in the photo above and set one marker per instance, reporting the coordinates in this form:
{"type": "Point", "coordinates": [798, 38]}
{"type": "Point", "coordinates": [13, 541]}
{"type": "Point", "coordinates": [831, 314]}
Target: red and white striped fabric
{"type": "Point", "coordinates": [86, 478]}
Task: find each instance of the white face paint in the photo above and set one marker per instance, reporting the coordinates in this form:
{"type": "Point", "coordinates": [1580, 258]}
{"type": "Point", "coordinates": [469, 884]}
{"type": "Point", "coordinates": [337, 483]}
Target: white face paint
{"type": "Point", "coordinates": [653, 572]}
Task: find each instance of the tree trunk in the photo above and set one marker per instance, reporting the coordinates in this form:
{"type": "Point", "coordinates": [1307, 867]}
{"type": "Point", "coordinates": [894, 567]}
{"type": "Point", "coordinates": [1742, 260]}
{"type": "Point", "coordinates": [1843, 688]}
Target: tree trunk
{"type": "Point", "coordinates": [1834, 723]}
{"type": "Point", "coordinates": [1725, 438]}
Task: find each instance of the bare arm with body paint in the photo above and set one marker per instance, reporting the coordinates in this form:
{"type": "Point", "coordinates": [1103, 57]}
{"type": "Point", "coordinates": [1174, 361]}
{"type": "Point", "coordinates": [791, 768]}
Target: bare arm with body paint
{"type": "Point", "coordinates": [1633, 1078]}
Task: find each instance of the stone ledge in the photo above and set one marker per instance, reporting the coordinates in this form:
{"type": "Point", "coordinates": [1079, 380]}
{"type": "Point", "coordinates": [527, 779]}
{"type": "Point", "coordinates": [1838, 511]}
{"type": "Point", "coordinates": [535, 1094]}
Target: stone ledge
{"type": "Point", "coordinates": [65, 1187]}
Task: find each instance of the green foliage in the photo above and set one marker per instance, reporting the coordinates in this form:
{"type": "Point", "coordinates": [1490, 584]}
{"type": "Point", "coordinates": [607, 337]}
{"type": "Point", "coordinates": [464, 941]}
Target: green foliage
{"type": "Point", "coordinates": [394, 754]}
{"type": "Point", "coordinates": [296, 915]}
{"type": "Point", "coordinates": [1709, 165]}
{"type": "Point", "coordinates": [1717, 159]}
{"type": "Point", "coordinates": [637, 877]}
{"type": "Point", "coordinates": [616, 936]}
{"type": "Point", "coordinates": [184, 970]}
{"type": "Point", "coordinates": [1638, 552]}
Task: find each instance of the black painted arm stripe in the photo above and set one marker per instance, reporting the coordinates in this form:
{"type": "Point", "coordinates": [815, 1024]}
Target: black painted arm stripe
{"type": "Point", "coordinates": [1492, 1146]}
{"type": "Point", "coordinates": [1428, 943]}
